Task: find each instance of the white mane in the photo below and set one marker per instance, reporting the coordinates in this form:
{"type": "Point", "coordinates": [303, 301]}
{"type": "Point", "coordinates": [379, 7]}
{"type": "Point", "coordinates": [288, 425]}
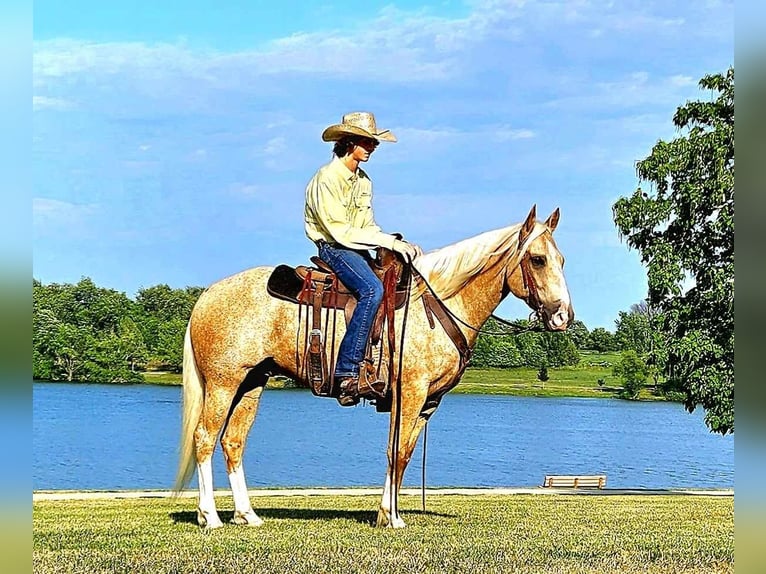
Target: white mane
{"type": "Point", "coordinates": [450, 268]}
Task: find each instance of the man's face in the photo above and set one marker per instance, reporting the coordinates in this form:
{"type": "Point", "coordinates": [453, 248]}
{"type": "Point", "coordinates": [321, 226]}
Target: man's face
{"type": "Point", "coordinates": [363, 148]}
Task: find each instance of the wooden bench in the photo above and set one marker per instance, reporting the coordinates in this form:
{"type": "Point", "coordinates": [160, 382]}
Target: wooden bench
{"type": "Point", "coordinates": [575, 481]}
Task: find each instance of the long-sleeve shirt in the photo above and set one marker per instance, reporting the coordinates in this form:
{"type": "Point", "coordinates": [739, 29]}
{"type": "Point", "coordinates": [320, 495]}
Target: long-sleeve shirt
{"type": "Point", "coordinates": [339, 208]}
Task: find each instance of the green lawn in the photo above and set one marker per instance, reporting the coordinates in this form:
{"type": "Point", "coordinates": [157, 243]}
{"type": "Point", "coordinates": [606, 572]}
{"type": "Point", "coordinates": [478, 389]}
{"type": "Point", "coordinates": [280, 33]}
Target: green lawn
{"type": "Point", "coordinates": [578, 381]}
{"type": "Point", "coordinates": [334, 534]}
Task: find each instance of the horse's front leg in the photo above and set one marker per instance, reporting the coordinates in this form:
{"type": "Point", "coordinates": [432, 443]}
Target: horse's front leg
{"type": "Point", "coordinates": [403, 436]}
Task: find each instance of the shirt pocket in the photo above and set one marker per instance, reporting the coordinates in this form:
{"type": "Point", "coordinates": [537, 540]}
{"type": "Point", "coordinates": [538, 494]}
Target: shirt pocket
{"type": "Point", "coordinates": [363, 199]}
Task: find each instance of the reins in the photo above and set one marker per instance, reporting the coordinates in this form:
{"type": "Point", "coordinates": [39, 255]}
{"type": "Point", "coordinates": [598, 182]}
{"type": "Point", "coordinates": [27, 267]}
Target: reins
{"type": "Point", "coordinates": [532, 299]}
{"type": "Point", "coordinates": [395, 438]}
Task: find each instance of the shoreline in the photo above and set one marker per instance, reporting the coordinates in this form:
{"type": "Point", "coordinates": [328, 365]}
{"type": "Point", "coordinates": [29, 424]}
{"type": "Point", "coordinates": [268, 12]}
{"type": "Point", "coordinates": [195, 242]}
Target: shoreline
{"type": "Point", "coordinates": [45, 495]}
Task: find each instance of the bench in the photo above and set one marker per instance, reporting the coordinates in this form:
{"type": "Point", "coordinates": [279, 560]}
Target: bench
{"type": "Point", "coordinates": [575, 481]}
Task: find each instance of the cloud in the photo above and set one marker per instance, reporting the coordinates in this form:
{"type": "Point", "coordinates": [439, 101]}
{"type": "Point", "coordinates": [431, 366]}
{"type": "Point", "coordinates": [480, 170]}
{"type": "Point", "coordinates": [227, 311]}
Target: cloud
{"type": "Point", "coordinates": [60, 215]}
{"type": "Point", "coordinates": [275, 146]}
{"type": "Point", "coordinates": [46, 103]}
{"type": "Point", "coordinates": [396, 47]}
{"type": "Point", "coordinates": [506, 133]}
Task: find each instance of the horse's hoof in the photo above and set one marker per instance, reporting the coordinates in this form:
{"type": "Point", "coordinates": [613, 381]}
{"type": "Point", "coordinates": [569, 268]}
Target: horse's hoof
{"type": "Point", "coordinates": [208, 523]}
{"type": "Point", "coordinates": [247, 519]}
{"type": "Point", "coordinates": [397, 523]}
{"type": "Point", "coordinates": [386, 521]}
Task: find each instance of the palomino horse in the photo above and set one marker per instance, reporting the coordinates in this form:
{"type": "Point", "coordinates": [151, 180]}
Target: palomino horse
{"type": "Point", "coordinates": [239, 335]}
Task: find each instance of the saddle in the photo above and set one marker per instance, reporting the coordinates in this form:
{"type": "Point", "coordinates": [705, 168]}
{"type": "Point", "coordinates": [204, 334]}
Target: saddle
{"type": "Point", "coordinates": [319, 288]}
{"type": "Point", "coordinates": [289, 283]}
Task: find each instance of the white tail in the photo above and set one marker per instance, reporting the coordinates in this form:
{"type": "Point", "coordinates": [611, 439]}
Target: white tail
{"type": "Point", "coordinates": [192, 407]}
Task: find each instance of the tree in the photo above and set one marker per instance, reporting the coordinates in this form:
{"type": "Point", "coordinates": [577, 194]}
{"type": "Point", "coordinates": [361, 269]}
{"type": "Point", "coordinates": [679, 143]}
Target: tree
{"type": "Point", "coordinates": [633, 331]}
{"type": "Point", "coordinates": [683, 227]}
{"type": "Point", "coordinates": [170, 348]}
{"type": "Point", "coordinates": [633, 372]}
{"type": "Point", "coordinates": [559, 349]}
{"type": "Point", "coordinates": [71, 346]}
{"type": "Point", "coordinates": [579, 334]}
{"type": "Point", "coordinates": [602, 340]}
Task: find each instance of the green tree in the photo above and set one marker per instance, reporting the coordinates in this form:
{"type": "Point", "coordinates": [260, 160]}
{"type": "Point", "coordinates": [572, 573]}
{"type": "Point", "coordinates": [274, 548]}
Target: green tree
{"type": "Point", "coordinates": [559, 349]}
{"type": "Point", "coordinates": [164, 313]}
{"type": "Point", "coordinates": [683, 227]}
{"type": "Point", "coordinates": [85, 333]}
{"type": "Point", "coordinates": [602, 340]}
{"type": "Point", "coordinates": [633, 331]}
{"type": "Point", "coordinates": [579, 334]}
{"type": "Point", "coordinates": [71, 348]}
{"type": "Point", "coordinates": [170, 347]}
{"type": "Point", "coordinates": [633, 371]}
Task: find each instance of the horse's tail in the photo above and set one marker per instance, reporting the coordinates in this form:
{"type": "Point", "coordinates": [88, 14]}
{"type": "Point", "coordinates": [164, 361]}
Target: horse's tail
{"type": "Point", "coordinates": [192, 407]}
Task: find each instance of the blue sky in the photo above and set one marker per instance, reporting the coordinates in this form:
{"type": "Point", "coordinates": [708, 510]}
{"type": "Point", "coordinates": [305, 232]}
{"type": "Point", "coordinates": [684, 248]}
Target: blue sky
{"type": "Point", "coordinates": [172, 141]}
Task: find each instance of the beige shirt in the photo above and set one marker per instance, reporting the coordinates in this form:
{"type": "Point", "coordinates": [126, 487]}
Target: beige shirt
{"type": "Point", "coordinates": [339, 208]}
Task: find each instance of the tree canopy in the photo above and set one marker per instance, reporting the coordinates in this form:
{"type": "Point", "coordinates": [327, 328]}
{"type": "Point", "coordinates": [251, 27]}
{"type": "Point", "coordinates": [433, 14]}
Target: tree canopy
{"type": "Point", "coordinates": [83, 332]}
{"type": "Point", "coordinates": [682, 223]}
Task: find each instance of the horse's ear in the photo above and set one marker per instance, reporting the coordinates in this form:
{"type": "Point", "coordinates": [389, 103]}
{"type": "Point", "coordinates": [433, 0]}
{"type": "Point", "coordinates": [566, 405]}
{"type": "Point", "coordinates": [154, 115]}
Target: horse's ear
{"type": "Point", "coordinates": [553, 220]}
{"type": "Point", "coordinates": [528, 226]}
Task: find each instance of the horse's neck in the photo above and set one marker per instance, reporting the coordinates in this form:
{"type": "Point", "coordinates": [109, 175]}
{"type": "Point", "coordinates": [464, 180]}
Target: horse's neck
{"type": "Point", "coordinates": [477, 301]}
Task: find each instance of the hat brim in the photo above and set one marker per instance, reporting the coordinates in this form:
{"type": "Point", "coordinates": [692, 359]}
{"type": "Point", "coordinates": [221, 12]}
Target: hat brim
{"type": "Point", "coordinates": [337, 131]}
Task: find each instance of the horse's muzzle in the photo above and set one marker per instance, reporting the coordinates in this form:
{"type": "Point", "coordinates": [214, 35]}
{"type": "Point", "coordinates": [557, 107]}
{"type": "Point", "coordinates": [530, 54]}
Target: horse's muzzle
{"type": "Point", "coordinates": [560, 317]}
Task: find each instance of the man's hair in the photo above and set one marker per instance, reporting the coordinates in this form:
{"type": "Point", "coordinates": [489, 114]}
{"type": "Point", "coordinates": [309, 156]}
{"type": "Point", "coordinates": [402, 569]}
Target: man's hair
{"type": "Point", "coordinates": [344, 146]}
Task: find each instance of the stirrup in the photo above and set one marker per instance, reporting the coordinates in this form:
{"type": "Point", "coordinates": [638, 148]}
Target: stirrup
{"type": "Point", "coordinates": [349, 392]}
{"type": "Point", "coordinates": [369, 385]}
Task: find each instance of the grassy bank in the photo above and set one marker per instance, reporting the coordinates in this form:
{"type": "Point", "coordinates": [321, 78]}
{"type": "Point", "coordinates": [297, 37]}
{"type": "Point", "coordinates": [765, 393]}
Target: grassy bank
{"type": "Point", "coordinates": [578, 381]}
{"type": "Point", "coordinates": [493, 533]}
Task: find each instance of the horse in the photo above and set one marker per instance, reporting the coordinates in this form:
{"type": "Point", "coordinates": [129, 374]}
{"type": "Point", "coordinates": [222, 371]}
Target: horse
{"type": "Point", "coordinates": [238, 336]}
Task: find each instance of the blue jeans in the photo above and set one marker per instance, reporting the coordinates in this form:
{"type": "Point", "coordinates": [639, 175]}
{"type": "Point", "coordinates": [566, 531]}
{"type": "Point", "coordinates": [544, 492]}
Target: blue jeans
{"type": "Point", "coordinates": [354, 271]}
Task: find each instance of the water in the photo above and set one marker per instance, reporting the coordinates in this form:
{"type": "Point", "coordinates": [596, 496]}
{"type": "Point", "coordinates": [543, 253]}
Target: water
{"type": "Point", "coordinates": [90, 436]}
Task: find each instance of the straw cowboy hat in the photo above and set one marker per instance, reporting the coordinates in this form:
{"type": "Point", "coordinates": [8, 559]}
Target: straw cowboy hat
{"type": "Point", "coordinates": [357, 124]}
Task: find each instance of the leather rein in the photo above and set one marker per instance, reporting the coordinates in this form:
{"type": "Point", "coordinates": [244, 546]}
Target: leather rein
{"type": "Point", "coordinates": [532, 299]}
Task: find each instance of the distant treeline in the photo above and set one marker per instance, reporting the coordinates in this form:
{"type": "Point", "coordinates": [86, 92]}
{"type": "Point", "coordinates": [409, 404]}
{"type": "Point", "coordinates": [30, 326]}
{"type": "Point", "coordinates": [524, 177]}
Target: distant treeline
{"type": "Point", "coordinates": [84, 332]}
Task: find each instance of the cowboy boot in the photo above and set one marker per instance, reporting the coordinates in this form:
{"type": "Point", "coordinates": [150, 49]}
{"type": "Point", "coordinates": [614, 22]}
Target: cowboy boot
{"type": "Point", "coordinates": [369, 385]}
{"type": "Point", "coordinates": [349, 391]}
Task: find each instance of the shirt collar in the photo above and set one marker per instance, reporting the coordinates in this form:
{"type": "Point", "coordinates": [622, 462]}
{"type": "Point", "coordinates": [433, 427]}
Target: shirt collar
{"type": "Point", "coordinates": [341, 167]}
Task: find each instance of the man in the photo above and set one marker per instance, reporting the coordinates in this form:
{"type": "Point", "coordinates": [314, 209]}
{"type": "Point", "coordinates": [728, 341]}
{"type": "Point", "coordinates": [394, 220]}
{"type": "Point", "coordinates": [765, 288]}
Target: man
{"type": "Point", "coordinates": [338, 218]}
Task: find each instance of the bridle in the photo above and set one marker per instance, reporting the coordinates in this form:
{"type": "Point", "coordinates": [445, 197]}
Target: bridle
{"type": "Point", "coordinates": [532, 299]}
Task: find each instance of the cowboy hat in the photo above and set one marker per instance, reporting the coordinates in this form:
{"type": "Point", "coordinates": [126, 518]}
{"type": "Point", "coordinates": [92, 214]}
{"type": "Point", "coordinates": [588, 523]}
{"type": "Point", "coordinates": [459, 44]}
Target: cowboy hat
{"type": "Point", "coordinates": [357, 124]}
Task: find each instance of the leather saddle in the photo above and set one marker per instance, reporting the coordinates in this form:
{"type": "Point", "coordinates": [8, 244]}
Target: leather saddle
{"type": "Point", "coordinates": [288, 283]}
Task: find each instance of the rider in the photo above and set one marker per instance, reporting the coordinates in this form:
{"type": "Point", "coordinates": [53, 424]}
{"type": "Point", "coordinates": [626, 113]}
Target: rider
{"type": "Point", "coordinates": [339, 220]}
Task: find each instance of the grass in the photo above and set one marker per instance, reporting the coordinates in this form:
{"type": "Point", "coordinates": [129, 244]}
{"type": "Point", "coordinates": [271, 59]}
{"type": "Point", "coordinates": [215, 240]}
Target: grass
{"type": "Point", "coordinates": [334, 534]}
{"type": "Point", "coordinates": [577, 381]}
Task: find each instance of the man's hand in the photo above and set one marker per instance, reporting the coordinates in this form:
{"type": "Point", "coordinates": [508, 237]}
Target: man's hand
{"type": "Point", "coordinates": [407, 250]}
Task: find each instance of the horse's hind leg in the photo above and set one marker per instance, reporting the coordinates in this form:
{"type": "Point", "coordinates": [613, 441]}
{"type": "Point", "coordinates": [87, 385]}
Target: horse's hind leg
{"type": "Point", "coordinates": [214, 411]}
{"type": "Point", "coordinates": [233, 442]}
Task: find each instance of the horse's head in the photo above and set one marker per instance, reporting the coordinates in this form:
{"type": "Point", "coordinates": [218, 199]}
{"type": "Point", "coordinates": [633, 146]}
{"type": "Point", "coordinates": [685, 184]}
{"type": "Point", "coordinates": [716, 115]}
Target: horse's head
{"type": "Point", "coordinates": [539, 279]}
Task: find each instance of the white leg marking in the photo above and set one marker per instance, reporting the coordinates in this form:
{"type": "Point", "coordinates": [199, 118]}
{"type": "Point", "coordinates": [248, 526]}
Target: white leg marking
{"type": "Point", "coordinates": [389, 517]}
{"type": "Point", "coordinates": [207, 515]}
{"type": "Point", "coordinates": [243, 511]}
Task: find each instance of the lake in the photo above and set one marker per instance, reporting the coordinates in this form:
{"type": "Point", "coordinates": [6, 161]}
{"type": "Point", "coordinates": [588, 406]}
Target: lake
{"type": "Point", "coordinates": [103, 437]}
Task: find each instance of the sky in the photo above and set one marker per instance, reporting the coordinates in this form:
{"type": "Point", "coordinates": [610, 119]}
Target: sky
{"type": "Point", "coordinates": [172, 141]}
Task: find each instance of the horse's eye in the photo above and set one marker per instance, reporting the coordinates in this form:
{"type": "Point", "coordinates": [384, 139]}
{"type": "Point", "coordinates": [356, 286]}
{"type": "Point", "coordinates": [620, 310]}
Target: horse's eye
{"type": "Point", "coordinates": [537, 260]}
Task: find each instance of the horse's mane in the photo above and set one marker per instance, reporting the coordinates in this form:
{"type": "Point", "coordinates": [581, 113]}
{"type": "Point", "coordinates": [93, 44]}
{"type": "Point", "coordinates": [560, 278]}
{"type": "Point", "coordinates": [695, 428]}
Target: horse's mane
{"type": "Point", "coordinates": [450, 268]}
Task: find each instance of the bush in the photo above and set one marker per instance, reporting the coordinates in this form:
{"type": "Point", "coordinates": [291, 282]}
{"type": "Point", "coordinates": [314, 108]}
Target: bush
{"type": "Point", "coordinates": [633, 372]}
